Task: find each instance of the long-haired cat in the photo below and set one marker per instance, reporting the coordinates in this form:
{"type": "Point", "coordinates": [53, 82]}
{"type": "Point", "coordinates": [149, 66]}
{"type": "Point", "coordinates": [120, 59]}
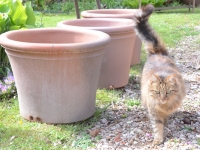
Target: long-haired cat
{"type": "Point", "coordinates": [162, 85]}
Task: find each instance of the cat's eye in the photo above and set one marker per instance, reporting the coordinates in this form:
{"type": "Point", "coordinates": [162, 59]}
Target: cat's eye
{"type": "Point", "coordinates": [168, 92]}
{"type": "Point", "coordinates": [157, 92]}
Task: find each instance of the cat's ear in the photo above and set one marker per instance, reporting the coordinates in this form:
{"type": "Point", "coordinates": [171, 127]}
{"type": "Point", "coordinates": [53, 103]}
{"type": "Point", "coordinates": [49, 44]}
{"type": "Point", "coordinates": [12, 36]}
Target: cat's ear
{"type": "Point", "coordinates": [171, 78]}
{"type": "Point", "coordinates": [154, 78]}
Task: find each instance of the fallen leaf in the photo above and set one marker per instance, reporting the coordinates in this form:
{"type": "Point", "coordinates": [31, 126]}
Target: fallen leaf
{"type": "Point", "coordinates": [118, 138]}
{"type": "Point", "coordinates": [94, 132]}
{"type": "Point", "coordinates": [12, 138]}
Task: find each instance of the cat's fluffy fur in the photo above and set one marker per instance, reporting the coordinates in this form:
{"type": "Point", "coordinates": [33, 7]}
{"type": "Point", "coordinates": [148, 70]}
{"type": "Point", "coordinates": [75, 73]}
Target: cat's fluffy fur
{"type": "Point", "coordinates": [162, 85]}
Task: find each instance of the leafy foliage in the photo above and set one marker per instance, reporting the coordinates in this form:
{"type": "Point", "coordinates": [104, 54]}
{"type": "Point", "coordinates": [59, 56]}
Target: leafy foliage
{"type": "Point", "coordinates": [13, 16]}
{"type": "Point", "coordinates": [62, 6]}
{"type": "Point", "coordinates": [67, 6]}
{"type": "Point", "coordinates": [135, 4]}
{"type": "Point", "coordinates": [112, 3]}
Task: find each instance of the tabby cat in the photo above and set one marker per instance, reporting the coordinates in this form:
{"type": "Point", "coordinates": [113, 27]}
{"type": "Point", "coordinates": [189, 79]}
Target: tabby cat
{"type": "Point", "coordinates": [162, 85]}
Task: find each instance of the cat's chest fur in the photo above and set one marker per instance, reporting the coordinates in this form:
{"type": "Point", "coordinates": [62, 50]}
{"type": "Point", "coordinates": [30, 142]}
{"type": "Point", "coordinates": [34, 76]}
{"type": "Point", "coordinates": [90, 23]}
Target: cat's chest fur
{"type": "Point", "coordinates": [167, 108]}
{"type": "Point", "coordinates": [162, 66]}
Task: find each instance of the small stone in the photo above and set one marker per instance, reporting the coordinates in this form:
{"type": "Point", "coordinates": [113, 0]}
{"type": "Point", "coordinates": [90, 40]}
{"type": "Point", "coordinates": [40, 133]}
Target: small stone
{"type": "Point", "coordinates": [104, 146]}
{"type": "Point", "coordinates": [110, 144]}
{"type": "Point", "coordinates": [197, 67]}
{"type": "Point", "coordinates": [187, 121]}
{"type": "Point", "coordinates": [103, 140]}
{"type": "Point", "coordinates": [113, 128]}
{"type": "Point", "coordinates": [108, 137]}
{"type": "Point", "coordinates": [198, 129]}
{"type": "Point", "coordinates": [123, 143]}
{"type": "Point", "coordinates": [135, 142]}
{"type": "Point", "coordinates": [132, 133]}
{"type": "Point", "coordinates": [104, 120]}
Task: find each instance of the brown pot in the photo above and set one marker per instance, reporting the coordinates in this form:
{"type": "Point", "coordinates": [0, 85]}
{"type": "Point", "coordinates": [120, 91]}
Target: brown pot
{"type": "Point", "coordinates": [118, 13]}
{"type": "Point", "coordinates": [117, 58]}
{"type": "Point", "coordinates": [56, 72]}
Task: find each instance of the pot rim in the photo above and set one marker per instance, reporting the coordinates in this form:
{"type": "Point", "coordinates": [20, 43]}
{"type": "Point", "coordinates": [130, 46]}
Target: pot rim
{"type": "Point", "coordinates": [109, 13]}
{"type": "Point", "coordinates": [101, 39]}
{"type": "Point", "coordinates": [125, 25]}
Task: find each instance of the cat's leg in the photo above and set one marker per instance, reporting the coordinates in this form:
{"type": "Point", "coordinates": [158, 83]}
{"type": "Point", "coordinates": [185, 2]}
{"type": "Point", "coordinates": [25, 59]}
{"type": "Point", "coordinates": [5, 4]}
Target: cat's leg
{"type": "Point", "coordinates": [166, 121]}
{"type": "Point", "coordinates": [157, 122]}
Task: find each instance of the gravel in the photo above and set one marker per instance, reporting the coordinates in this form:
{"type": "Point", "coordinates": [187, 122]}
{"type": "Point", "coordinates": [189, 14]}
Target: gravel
{"type": "Point", "coordinates": [122, 127]}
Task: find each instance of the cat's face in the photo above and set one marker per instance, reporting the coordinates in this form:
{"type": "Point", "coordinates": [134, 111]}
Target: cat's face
{"type": "Point", "coordinates": [162, 90]}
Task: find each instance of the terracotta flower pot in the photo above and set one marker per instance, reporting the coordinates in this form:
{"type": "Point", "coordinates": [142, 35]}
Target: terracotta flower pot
{"type": "Point", "coordinates": [56, 72]}
{"type": "Point", "coordinates": [117, 58]}
{"type": "Point", "coordinates": [118, 13]}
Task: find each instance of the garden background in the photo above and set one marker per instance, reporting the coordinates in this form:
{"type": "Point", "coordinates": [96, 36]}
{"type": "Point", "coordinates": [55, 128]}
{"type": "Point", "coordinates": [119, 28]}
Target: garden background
{"type": "Point", "coordinates": [115, 108]}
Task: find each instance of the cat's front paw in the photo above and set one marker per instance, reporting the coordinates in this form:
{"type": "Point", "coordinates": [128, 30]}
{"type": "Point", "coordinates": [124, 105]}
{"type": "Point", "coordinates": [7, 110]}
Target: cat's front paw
{"type": "Point", "coordinates": [158, 141]}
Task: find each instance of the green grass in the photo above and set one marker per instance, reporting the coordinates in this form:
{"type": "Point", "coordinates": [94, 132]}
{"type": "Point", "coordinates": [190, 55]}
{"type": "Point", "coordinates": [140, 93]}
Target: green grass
{"type": "Point", "coordinates": [137, 69]}
{"type": "Point", "coordinates": [172, 27]}
{"type": "Point", "coordinates": [105, 96]}
{"type": "Point", "coordinates": [198, 40]}
{"type": "Point", "coordinates": [18, 134]}
{"type": "Point", "coordinates": [51, 20]}
{"type": "Point", "coordinates": [198, 141]}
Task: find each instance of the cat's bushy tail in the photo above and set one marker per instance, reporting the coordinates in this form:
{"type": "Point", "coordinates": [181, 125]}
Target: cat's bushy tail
{"type": "Point", "coordinates": [152, 42]}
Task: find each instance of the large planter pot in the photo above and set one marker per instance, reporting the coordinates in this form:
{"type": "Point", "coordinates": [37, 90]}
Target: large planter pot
{"type": "Point", "coordinates": [118, 13]}
{"type": "Point", "coordinates": [117, 58]}
{"type": "Point", "coordinates": [56, 72]}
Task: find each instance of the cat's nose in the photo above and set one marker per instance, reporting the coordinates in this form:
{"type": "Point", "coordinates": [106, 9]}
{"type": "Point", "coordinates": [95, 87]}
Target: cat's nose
{"type": "Point", "coordinates": [163, 101]}
{"type": "Point", "coordinates": [162, 96]}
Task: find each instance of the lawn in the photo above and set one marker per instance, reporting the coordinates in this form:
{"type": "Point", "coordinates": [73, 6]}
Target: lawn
{"type": "Point", "coordinates": [17, 133]}
{"type": "Point", "coordinates": [51, 20]}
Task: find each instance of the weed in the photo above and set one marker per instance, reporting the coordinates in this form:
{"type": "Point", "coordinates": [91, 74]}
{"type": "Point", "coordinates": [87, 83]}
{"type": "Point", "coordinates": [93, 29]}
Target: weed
{"type": "Point", "coordinates": [124, 116]}
{"type": "Point", "coordinates": [132, 102]}
{"type": "Point", "coordinates": [128, 109]}
{"type": "Point", "coordinates": [198, 141]}
{"type": "Point", "coordinates": [187, 128]}
{"type": "Point", "coordinates": [83, 142]}
{"type": "Point", "coordinates": [104, 96]}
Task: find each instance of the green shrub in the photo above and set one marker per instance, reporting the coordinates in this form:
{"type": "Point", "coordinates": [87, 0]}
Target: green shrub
{"type": "Point", "coordinates": [112, 3]}
{"type": "Point", "coordinates": [68, 7]}
{"type": "Point", "coordinates": [13, 16]}
{"type": "Point", "coordinates": [38, 4]}
{"type": "Point", "coordinates": [135, 3]}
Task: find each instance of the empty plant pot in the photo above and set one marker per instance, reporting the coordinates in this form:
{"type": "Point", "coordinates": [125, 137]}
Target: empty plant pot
{"type": "Point", "coordinates": [56, 72]}
{"type": "Point", "coordinates": [117, 58]}
{"type": "Point", "coordinates": [118, 13]}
